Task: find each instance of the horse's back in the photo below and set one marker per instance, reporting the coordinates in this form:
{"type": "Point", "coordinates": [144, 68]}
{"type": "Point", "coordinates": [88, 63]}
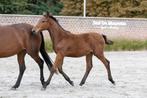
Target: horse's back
{"type": "Point", "coordinates": [16, 28]}
{"type": "Point", "coordinates": [23, 27]}
{"type": "Point", "coordinates": [93, 40]}
{"type": "Point", "coordinates": [13, 38]}
{"type": "Point", "coordinates": [90, 36]}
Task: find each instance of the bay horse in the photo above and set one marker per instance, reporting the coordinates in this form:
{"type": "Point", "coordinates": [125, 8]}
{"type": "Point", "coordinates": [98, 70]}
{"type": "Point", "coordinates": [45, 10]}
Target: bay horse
{"type": "Point", "coordinates": [68, 44]}
{"type": "Point", "coordinates": [19, 39]}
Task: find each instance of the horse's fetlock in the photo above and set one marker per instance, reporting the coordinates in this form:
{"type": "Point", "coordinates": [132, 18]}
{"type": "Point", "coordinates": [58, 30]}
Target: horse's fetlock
{"type": "Point", "coordinates": [42, 62]}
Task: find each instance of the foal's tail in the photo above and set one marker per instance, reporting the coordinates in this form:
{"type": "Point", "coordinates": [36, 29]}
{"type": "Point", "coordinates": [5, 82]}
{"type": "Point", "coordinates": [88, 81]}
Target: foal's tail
{"type": "Point", "coordinates": [44, 53]}
{"type": "Point", "coordinates": [107, 41]}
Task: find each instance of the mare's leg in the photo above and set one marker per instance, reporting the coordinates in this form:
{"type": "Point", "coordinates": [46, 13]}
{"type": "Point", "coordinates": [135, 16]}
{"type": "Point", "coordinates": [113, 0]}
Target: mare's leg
{"type": "Point", "coordinates": [88, 68]}
{"type": "Point", "coordinates": [40, 63]}
{"type": "Point", "coordinates": [100, 55]}
{"type": "Point", "coordinates": [22, 67]}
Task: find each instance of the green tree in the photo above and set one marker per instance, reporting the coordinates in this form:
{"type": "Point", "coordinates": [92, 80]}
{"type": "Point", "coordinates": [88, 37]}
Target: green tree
{"type": "Point", "coordinates": [30, 6]}
{"type": "Point", "coordinates": [39, 6]}
{"type": "Point", "coordinates": [106, 8]}
{"type": "Point", "coordinates": [72, 7]}
{"type": "Point", "coordinates": [116, 8]}
{"type": "Point", "coordinates": [12, 6]}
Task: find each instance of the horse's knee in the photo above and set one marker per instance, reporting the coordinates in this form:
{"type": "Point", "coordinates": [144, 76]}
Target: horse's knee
{"type": "Point", "coordinates": [41, 63]}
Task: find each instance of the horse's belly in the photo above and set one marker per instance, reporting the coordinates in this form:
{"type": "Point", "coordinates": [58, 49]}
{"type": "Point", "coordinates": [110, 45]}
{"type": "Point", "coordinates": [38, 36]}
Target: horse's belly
{"type": "Point", "coordinates": [6, 52]}
{"type": "Point", "coordinates": [78, 53]}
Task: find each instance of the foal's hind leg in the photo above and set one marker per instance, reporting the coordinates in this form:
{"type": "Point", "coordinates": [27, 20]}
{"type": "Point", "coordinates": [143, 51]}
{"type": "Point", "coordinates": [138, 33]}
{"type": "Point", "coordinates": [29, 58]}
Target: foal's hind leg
{"type": "Point", "coordinates": [107, 65]}
{"type": "Point", "coordinates": [88, 68]}
{"type": "Point", "coordinates": [40, 63]}
{"type": "Point", "coordinates": [22, 67]}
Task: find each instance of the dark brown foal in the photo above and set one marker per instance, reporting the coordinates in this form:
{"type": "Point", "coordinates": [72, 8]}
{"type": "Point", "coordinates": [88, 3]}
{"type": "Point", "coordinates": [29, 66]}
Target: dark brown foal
{"type": "Point", "coordinates": [73, 45]}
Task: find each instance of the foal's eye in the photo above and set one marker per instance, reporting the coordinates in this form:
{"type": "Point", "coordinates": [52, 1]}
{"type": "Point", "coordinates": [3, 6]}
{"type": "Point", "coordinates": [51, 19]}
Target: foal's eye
{"type": "Point", "coordinates": [43, 21]}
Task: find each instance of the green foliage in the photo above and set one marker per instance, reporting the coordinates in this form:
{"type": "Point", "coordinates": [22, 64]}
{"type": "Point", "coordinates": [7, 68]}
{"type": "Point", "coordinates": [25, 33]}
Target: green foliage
{"type": "Point", "coordinates": [106, 8]}
{"type": "Point", "coordinates": [48, 45]}
{"type": "Point", "coordinates": [127, 45]}
{"type": "Point", "coordinates": [72, 7]}
{"type": "Point", "coordinates": [30, 6]}
{"type": "Point", "coordinates": [12, 6]}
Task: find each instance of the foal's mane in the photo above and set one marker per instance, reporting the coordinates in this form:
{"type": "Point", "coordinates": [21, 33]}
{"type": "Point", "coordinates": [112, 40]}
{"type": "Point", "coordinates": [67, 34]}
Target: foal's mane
{"type": "Point", "coordinates": [52, 17]}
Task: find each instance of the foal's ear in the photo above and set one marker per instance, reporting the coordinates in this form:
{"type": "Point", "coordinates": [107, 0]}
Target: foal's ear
{"type": "Point", "coordinates": [46, 14]}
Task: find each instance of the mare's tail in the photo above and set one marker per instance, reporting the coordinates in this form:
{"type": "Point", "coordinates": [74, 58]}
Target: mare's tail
{"type": "Point", "coordinates": [44, 53]}
{"type": "Point", "coordinates": [107, 41]}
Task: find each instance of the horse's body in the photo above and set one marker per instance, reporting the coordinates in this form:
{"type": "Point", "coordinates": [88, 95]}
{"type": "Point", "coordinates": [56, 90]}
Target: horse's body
{"type": "Point", "coordinates": [78, 45]}
{"type": "Point", "coordinates": [73, 45]}
{"type": "Point", "coordinates": [18, 39]}
{"type": "Point", "coordinates": [14, 38]}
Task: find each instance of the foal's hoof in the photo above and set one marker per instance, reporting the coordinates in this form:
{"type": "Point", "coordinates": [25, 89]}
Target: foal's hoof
{"type": "Point", "coordinates": [71, 83]}
{"type": "Point", "coordinates": [14, 87]}
{"type": "Point", "coordinates": [81, 84]}
{"type": "Point", "coordinates": [112, 81]}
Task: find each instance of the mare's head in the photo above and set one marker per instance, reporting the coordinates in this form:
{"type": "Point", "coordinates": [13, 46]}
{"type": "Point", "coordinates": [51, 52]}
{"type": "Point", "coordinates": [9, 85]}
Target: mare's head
{"type": "Point", "coordinates": [44, 23]}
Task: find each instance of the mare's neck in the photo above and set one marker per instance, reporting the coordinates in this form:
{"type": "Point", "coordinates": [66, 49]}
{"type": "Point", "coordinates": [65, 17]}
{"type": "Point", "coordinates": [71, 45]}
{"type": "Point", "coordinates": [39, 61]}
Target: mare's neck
{"type": "Point", "coordinates": [57, 33]}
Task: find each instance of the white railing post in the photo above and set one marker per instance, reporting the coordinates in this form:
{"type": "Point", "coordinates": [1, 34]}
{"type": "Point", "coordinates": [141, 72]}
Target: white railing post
{"type": "Point", "coordinates": [84, 12]}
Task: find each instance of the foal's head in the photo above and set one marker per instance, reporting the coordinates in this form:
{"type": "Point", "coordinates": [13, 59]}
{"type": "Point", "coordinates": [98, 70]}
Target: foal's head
{"type": "Point", "coordinates": [44, 23]}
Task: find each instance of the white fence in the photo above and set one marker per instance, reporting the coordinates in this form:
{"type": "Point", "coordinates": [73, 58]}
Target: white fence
{"type": "Point", "coordinates": [113, 27]}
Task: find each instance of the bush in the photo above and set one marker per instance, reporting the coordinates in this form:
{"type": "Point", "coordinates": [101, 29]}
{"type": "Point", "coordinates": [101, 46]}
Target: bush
{"type": "Point", "coordinates": [48, 46]}
{"type": "Point", "coordinates": [119, 45]}
{"type": "Point", "coordinates": [127, 45]}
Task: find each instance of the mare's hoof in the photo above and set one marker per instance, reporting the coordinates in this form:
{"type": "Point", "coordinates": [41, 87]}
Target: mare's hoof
{"type": "Point", "coordinates": [13, 88]}
{"type": "Point", "coordinates": [42, 83]}
{"type": "Point", "coordinates": [43, 88]}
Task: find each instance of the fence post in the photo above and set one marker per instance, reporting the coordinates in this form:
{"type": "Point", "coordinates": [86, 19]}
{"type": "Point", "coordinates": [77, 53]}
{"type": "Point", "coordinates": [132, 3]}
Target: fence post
{"type": "Point", "coordinates": [84, 12]}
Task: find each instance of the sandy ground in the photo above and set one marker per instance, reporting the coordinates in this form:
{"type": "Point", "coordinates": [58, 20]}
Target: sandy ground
{"type": "Point", "coordinates": [129, 70]}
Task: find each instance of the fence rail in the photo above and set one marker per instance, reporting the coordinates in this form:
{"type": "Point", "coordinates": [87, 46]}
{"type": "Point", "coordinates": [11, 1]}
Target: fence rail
{"type": "Point", "coordinates": [113, 27]}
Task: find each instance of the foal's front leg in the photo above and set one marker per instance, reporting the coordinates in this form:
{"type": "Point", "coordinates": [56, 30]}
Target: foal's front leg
{"type": "Point", "coordinates": [66, 77]}
{"type": "Point", "coordinates": [57, 66]}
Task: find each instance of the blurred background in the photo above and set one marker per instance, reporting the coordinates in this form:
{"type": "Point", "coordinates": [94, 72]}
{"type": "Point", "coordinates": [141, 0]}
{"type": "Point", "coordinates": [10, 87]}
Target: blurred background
{"type": "Point", "coordinates": [94, 8]}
